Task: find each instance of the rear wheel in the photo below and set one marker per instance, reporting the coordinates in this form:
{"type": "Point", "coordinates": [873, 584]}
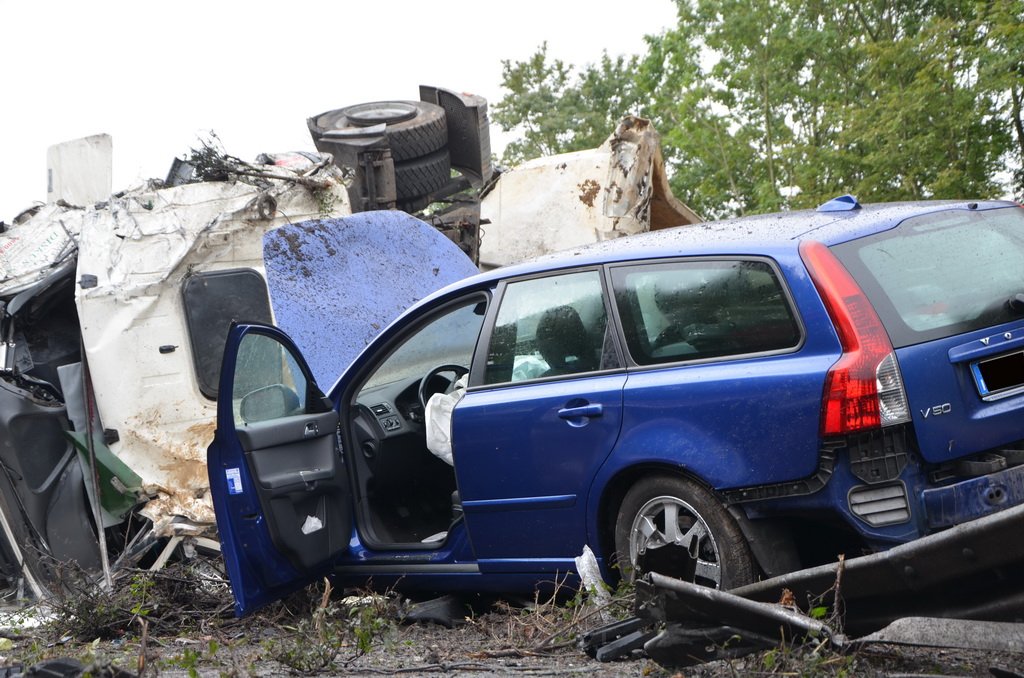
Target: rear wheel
{"type": "Point", "coordinates": [675, 527]}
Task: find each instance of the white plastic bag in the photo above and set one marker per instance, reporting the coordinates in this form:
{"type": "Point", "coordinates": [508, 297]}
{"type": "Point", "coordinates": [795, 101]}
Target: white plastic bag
{"type": "Point", "coordinates": [590, 573]}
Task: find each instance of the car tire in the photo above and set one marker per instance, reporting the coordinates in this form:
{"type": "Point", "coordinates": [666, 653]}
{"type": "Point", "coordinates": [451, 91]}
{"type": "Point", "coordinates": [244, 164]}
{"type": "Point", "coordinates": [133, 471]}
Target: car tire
{"type": "Point", "coordinates": [723, 558]}
{"type": "Point", "coordinates": [413, 128]}
{"type": "Point", "coordinates": [422, 176]}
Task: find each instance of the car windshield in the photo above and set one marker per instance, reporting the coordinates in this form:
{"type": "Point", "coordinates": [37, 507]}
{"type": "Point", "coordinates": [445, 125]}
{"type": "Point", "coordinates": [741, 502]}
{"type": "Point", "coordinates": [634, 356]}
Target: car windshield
{"type": "Point", "coordinates": [448, 339]}
{"type": "Point", "coordinates": [942, 274]}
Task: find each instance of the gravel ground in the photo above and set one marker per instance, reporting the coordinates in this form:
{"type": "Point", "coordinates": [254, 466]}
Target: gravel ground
{"type": "Point", "coordinates": [477, 649]}
{"type": "Point", "coordinates": [168, 625]}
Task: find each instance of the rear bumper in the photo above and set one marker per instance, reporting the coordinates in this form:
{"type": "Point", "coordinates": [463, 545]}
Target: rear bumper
{"type": "Point", "coordinates": [973, 498]}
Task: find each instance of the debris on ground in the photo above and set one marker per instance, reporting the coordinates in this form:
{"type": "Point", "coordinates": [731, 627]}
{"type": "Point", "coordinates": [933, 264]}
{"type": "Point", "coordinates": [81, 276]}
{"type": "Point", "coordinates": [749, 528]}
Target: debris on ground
{"type": "Point", "coordinates": [957, 589]}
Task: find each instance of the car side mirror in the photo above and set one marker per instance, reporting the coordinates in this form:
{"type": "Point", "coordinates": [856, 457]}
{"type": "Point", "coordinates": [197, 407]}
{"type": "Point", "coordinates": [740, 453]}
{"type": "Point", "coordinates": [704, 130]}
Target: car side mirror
{"type": "Point", "coordinates": [269, 402]}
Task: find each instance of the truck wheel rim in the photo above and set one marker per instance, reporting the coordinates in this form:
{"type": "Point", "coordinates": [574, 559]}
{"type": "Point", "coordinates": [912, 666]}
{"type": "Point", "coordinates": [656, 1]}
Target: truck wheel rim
{"type": "Point", "coordinates": [375, 113]}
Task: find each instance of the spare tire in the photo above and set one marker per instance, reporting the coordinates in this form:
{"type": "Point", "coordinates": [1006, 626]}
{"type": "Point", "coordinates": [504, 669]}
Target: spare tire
{"type": "Point", "coordinates": [413, 128]}
{"type": "Point", "coordinates": [421, 176]}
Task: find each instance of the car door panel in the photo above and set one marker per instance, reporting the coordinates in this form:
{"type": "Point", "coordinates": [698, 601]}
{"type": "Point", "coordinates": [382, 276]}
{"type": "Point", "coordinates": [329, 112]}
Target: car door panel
{"type": "Point", "coordinates": [285, 454]}
{"type": "Point", "coordinates": [526, 450]}
{"type": "Point", "coordinates": [278, 484]}
{"type": "Point", "coordinates": [263, 435]}
{"type": "Point", "coordinates": [297, 479]}
{"type": "Point", "coordinates": [525, 467]}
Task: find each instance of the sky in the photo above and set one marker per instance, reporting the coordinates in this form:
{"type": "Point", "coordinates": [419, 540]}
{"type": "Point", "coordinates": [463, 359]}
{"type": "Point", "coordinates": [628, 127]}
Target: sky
{"type": "Point", "coordinates": [158, 77]}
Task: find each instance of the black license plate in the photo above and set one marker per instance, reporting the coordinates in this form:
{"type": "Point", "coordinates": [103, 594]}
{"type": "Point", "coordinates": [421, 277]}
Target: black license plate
{"type": "Point", "coordinates": [997, 376]}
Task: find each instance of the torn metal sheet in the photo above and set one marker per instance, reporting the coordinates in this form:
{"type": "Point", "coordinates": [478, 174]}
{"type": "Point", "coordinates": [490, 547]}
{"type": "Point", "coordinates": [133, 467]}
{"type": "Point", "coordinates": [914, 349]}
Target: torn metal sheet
{"type": "Point", "coordinates": [134, 256]}
{"type": "Point", "coordinates": [669, 599]}
{"type": "Point", "coordinates": [680, 623]}
{"type": "Point", "coordinates": [336, 283]}
{"type": "Point", "coordinates": [697, 625]}
{"type": "Point", "coordinates": [961, 588]}
{"type": "Point", "coordinates": [573, 199]}
{"type": "Point", "coordinates": [34, 245]}
{"type": "Point", "coordinates": [971, 571]}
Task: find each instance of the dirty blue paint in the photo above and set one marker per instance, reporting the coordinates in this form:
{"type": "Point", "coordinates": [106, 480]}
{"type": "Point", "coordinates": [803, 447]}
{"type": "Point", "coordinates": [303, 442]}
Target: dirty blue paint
{"type": "Point", "coordinates": [974, 497]}
{"type": "Point", "coordinates": [336, 283]}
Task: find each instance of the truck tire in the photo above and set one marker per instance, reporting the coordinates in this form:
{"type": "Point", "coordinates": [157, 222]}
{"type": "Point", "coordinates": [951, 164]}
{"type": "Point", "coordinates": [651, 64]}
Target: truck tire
{"type": "Point", "coordinates": [418, 177]}
{"type": "Point", "coordinates": [413, 128]}
{"type": "Point", "coordinates": [413, 205]}
{"type": "Point", "coordinates": [659, 512]}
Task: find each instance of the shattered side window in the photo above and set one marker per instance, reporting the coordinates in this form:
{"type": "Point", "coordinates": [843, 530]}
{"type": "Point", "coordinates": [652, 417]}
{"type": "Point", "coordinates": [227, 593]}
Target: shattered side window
{"type": "Point", "coordinates": [212, 300]}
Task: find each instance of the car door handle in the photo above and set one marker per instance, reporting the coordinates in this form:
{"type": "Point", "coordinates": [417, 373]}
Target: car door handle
{"type": "Point", "coordinates": [591, 410]}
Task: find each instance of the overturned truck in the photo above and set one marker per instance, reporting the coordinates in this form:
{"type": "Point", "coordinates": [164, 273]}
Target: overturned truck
{"type": "Point", "coordinates": [113, 315]}
{"type": "Point", "coordinates": [113, 320]}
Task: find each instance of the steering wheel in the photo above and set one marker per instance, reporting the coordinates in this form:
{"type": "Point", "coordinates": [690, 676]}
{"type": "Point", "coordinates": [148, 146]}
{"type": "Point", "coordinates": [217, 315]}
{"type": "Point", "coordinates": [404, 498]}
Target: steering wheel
{"type": "Point", "coordinates": [457, 370]}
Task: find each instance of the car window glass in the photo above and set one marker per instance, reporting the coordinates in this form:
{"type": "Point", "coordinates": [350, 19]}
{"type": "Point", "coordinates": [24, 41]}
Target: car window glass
{"type": "Point", "coordinates": [448, 339]}
{"type": "Point", "coordinates": [269, 383]}
{"type": "Point", "coordinates": [943, 273]}
{"type": "Point", "coordinates": [549, 327]}
{"type": "Point", "coordinates": [211, 300]}
{"type": "Point", "coordinates": [702, 309]}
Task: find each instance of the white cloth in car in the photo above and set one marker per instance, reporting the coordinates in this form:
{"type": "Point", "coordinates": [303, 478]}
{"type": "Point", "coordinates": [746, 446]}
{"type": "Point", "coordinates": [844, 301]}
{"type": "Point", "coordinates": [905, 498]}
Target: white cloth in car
{"type": "Point", "coordinates": [438, 416]}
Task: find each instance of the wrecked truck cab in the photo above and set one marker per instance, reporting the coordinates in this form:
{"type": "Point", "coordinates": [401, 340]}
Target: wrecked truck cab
{"type": "Point", "coordinates": [114, 317]}
{"type": "Point", "coordinates": [160, 275]}
{"type": "Point", "coordinates": [131, 329]}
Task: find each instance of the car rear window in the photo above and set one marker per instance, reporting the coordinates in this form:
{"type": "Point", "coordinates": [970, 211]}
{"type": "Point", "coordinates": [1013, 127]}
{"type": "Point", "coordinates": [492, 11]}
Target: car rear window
{"type": "Point", "coordinates": [942, 274]}
{"type": "Point", "coordinates": [701, 309]}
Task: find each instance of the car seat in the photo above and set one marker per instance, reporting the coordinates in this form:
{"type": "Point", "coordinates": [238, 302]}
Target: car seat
{"type": "Point", "coordinates": [563, 342]}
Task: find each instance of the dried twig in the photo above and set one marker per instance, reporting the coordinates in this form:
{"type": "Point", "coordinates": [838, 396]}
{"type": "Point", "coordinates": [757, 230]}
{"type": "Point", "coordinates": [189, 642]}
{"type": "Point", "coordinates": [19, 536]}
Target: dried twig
{"type": "Point", "coordinates": [212, 163]}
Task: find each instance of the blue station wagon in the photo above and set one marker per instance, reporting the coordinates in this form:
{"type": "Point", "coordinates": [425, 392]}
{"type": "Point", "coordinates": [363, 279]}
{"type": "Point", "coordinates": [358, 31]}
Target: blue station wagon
{"type": "Point", "coordinates": [720, 402]}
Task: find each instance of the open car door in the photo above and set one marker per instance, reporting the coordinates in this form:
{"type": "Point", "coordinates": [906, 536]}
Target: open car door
{"type": "Point", "coordinates": [276, 477]}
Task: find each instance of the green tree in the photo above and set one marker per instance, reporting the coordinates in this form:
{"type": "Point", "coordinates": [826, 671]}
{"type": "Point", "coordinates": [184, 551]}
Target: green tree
{"type": "Point", "coordinates": [999, 50]}
{"type": "Point", "coordinates": [557, 112]}
{"type": "Point", "coordinates": [786, 103]}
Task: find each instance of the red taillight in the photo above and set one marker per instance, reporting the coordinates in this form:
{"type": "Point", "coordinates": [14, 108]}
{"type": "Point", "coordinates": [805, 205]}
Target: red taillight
{"type": "Point", "coordinates": [852, 400]}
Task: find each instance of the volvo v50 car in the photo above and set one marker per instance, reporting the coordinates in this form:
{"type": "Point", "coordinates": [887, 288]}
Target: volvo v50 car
{"type": "Point", "coordinates": [722, 402]}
